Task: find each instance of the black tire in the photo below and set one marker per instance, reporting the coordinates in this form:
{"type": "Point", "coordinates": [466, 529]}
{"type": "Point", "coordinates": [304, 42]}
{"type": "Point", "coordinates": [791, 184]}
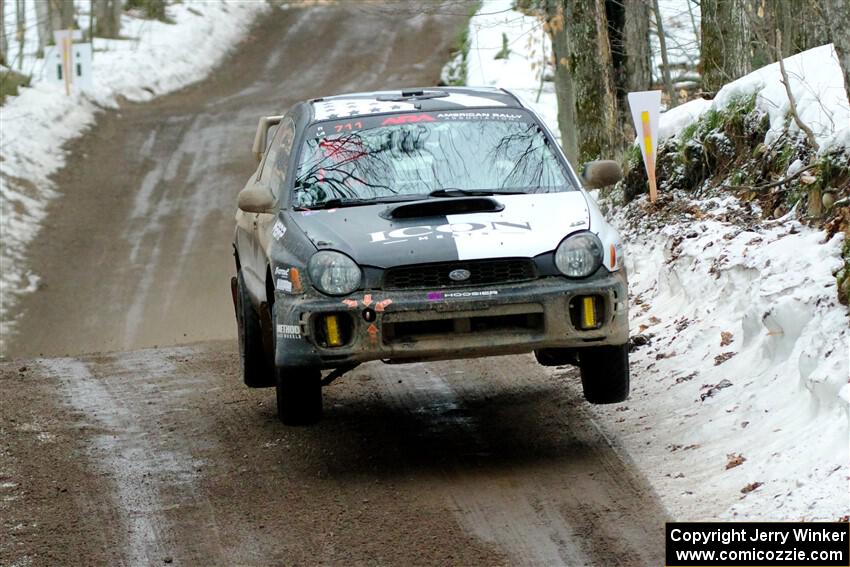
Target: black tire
{"type": "Point", "coordinates": [299, 395]}
{"type": "Point", "coordinates": [605, 373]}
{"type": "Point", "coordinates": [556, 357]}
{"type": "Point", "coordinates": [256, 372]}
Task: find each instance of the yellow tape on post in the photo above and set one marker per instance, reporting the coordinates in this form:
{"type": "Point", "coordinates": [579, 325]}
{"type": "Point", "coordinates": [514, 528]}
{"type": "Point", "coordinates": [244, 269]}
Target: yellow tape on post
{"type": "Point", "coordinates": [650, 156]}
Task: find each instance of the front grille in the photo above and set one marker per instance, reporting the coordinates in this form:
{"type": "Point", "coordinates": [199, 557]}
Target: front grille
{"type": "Point", "coordinates": [482, 272]}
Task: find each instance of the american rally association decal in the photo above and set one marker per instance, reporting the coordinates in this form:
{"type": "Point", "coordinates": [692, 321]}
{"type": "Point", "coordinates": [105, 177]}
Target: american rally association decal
{"type": "Point", "coordinates": [450, 230]}
{"type": "Point", "coordinates": [510, 116]}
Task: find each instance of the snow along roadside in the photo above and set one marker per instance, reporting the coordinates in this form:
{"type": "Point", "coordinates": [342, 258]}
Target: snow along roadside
{"type": "Point", "coordinates": [747, 360]}
{"type": "Point", "coordinates": [37, 124]}
{"type": "Point", "coordinates": [740, 401]}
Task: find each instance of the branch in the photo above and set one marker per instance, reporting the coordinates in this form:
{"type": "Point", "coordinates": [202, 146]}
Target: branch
{"type": "Point", "coordinates": [808, 131]}
{"type": "Point", "coordinates": [773, 184]}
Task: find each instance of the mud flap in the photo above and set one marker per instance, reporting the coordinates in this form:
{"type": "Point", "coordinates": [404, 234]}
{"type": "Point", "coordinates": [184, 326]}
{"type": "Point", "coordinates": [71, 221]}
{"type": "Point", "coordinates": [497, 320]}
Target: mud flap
{"type": "Point", "coordinates": [233, 295]}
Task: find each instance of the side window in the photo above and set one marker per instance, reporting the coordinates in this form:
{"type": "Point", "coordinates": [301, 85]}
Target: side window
{"type": "Point", "coordinates": [280, 163]}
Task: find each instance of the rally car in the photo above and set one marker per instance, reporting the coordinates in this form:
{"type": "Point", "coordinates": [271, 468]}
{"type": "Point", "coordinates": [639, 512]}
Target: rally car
{"type": "Point", "coordinates": [416, 225]}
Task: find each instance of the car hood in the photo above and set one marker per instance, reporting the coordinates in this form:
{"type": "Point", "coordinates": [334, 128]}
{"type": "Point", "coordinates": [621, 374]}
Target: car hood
{"type": "Point", "coordinates": [526, 225]}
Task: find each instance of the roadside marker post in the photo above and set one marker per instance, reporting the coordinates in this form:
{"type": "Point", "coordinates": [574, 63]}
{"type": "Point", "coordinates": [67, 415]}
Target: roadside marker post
{"type": "Point", "coordinates": [645, 107]}
{"type": "Point", "coordinates": [67, 62]}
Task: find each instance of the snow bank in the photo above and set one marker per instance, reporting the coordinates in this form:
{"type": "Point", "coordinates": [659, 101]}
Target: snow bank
{"type": "Point", "coordinates": [673, 121]}
{"type": "Point", "coordinates": [159, 58]}
{"type": "Point", "coordinates": [747, 355]}
{"type": "Point", "coordinates": [818, 88]}
{"type": "Point", "coordinates": [745, 363]}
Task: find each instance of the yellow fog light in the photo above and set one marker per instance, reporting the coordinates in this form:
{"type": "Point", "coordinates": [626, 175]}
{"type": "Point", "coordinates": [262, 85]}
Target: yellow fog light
{"type": "Point", "coordinates": [332, 330]}
{"type": "Point", "coordinates": [588, 313]}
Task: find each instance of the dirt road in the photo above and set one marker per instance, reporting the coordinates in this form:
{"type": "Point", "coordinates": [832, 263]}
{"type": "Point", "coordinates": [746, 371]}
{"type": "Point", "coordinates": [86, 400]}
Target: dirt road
{"type": "Point", "coordinates": [160, 456]}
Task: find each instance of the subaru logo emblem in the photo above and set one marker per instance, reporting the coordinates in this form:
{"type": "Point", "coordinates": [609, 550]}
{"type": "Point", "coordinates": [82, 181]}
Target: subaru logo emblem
{"type": "Point", "coordinates": [459, 275]}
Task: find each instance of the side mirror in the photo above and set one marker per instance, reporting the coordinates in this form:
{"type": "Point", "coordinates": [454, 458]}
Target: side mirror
{"type": "Point", "coordinates": [255, 199]}
{"type": "Point", "coordinates": [601, 173]}
{"type": "Point", "coordinates": [261, 138]}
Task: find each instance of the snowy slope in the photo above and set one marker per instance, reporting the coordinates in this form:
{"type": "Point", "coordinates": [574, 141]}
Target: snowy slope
{"type": "Point", "coordinates": [157, 58]}
{"type": "Point", "coordinates": [744, 354]}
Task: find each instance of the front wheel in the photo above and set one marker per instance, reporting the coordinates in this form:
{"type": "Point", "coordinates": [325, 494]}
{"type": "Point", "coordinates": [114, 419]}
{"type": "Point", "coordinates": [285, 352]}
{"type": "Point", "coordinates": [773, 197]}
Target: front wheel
{"type": "Point", "coordinates": [299, 395]}
{"type": "Point", "coordinates": [605, 373]}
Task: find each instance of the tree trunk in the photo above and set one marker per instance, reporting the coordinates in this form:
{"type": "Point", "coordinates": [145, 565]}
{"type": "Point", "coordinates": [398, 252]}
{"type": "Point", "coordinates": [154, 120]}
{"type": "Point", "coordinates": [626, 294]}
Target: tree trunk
{"type": "Point", "coordinates": [564, 91]}
{"type": "Point", "coordinates": [4, 42]}
{"type": "Point", "coordinates": [61, 15]}
{"type": "Point", "coordinates": [20, 30]}
{"type": "Point", "coordinates": [665, 63]}
{"type": "Point", "coordinates": [590, 65]}
{"type": "Point", "coordinates": [725, 42]}
{"type": "Point", "coordinates": [628, 34]}
{"type": "Point", "coordinates": [638, 53]}
{"type": "Point", "coordinates": [42, 16]}
{"type": "Point", "coordinates": [837, 14]}
{"type": "Point", "coordinates": [108, 18]}
{"type": "Point", "coordinates": [117, 9]}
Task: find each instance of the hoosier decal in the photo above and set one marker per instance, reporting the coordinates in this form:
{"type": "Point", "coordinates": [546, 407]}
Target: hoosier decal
{"type": "Point", "coordinates": [441, 295]}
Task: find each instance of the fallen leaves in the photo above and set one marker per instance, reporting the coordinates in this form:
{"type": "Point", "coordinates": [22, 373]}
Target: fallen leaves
{"type": "Point", "coordinates": [723, 357]}
{"type": "Point", "coordinates": [711, 390]}
{"type": "Point", "coordinates": [687, 378]}
{"type": "Point", "coordinates": [733, 460]}
{"type": "Point", "coordinates": [750, 487]}
{"type": "Point", "coordinates": [725, 338]}
{"type": "Point", "coordinates": [639, 340]}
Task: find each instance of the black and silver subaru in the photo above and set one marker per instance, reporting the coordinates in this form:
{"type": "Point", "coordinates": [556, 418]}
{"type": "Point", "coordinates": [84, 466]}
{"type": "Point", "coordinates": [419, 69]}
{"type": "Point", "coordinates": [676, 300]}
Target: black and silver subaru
{"type": "Point", "coordinates": [422, 225]}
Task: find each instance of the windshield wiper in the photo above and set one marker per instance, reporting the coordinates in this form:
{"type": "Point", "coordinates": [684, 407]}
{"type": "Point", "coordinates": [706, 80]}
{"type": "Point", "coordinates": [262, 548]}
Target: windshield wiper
{"type": "Point", "coordinates": [341, 202]}
{"type": "Point", "coordinates": [453, 192]}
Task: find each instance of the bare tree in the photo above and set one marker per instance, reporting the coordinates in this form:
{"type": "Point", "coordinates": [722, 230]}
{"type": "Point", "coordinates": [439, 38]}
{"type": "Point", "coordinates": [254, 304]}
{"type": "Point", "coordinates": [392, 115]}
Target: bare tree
{"type": "Point", "coordinates": [4, 42]}
{"type": "Point", "coordinates": [800, 22]}
{"type": "Point", "coordinates": [564, 89]}
{"type": "Point", "coordinates": [107, 18]}
{"type": "Point", "coordinates": [665, 63]}
{"type": "Point", "coordinates": [43, 20]}
{"type": "Point", "coordinates": [628, 35]}
{"type": "Point", "coordinates": [638, 52]}
{"type": "Point", "coordinates": [20, 30]}
{"type": "Point", "coordinates": [837, 14]}
{"type": "Point", "coordinates": [588, 63]}
{"type": "Point", "coordinates": [61, 15]}
{"type": "Point", "coordinates": [725, 41]}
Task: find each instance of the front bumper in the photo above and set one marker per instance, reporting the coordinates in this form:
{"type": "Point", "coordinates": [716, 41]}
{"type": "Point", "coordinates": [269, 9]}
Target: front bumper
{"type": "Point", "coordinates": [413, 325]}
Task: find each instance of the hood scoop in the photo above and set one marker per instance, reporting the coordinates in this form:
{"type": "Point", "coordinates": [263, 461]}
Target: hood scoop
{"type": "Point", "coordinates": [442, 207]}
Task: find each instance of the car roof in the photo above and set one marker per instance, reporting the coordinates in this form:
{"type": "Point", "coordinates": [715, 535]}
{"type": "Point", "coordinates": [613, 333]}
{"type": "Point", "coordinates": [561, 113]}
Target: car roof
{"type": "Point", "coordinates": [424, 99]}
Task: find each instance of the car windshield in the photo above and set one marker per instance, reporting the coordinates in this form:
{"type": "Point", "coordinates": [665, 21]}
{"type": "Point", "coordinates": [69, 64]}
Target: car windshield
{"type": "Point", "coordinates": [377, 158]}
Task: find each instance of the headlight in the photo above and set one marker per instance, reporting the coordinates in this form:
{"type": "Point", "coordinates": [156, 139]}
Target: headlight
{"type": "Point", "coordinates": [579, 255]}
{"type": "Point", "coordinates": [334, 273]}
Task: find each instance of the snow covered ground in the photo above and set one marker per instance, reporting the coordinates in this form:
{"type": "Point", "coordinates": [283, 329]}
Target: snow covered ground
{"type": "Point", "coordinates": [740, 405]}
{"type": "Point", "coordinates": [156, 58]}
